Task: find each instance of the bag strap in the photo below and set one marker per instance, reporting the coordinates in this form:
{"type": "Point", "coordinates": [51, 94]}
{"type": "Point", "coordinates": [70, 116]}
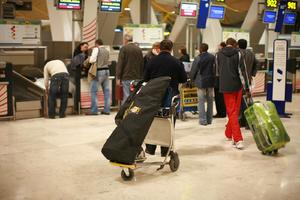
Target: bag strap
{"type": "Point", "coordinates": [246, 82]}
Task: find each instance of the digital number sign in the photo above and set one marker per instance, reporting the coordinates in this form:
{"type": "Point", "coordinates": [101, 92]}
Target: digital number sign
{"type": "Point", "coordinates": [188, 9]}
{"type": "Point", "coordinates": [111, 5]}
{"type": "Point", "coordinates": [290, 18]}
{"type": "Point", "coordinates": [217, 12]}
{"type": "Point", "coordinates": [69, 4]}
{"type": "Point", "coordinates": [272, 3]}
{"type": "Point", "coordinates": [269, 17]}
{"type": "Point", "coordinates": [292, 5]}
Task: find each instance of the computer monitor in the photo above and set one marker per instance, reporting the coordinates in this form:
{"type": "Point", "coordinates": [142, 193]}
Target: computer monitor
{"type": "Point", "coordinates": [69, 4]}
{"type": "Point", "coordinates": [188, 9]}
{"type": "Point", "coordinates": [290, 18]}
{"type": "Point", "coordinates": [217, 12]}
{"type": "Point", "coordinates": [111, 5]}
{"type": "Point", "coordinates": [269, 16]}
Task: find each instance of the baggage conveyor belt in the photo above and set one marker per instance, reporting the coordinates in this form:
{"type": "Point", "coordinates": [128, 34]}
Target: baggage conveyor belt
{"type": "Point", "coordinates": [29, 98]}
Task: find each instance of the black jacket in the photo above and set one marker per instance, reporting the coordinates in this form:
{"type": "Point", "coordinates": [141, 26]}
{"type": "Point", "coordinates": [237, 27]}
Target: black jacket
{"type": "Point", "coordinates": [251, 63]}
{"type": "Point", "coordinates": [185, 58]}
{"type": "Point", "coordinates": [203, 71]}
{"type": "Point", "coordinates": [166, 65]}
{"type": "Point", "coordinates": [228, 63]}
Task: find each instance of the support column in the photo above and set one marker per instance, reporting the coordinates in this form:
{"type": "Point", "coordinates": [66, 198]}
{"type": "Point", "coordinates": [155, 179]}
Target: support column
{"type": "Point", "coordinates": [145, 10]}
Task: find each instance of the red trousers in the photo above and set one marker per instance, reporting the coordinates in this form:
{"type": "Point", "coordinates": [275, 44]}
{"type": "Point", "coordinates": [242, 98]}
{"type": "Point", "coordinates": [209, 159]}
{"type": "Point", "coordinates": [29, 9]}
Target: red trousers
{"type": "Point", "coordinates": [233, 104]}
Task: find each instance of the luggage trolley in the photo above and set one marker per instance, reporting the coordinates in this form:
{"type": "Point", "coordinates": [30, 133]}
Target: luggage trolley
{"type": "Point", "coordinates": [188, 100]}
{"type": "Point", "coordinates": [162, 123]}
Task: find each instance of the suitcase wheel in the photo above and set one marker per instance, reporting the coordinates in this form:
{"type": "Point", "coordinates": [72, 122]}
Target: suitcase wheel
{"type": "Point", "coordinates": [127, 176]}
{"type": "Point", "coordinates": [269, 153]}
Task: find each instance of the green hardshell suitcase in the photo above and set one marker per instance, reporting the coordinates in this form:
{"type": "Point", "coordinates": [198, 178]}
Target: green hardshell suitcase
{"type": "Point", "coordinates": [266, 127]}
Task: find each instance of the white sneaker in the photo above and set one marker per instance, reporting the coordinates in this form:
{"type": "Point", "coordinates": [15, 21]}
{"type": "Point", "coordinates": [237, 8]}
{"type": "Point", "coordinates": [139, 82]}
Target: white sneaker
{"type": "Point", "coordinates": [239, 145]}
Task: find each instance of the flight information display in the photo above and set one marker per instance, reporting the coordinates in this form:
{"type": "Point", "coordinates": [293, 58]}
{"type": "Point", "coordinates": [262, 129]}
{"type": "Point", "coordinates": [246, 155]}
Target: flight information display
{"type": "Point", "coordinates": [272, 3]}
{"type": "Point", "coordinates": [217, 12]}
{"type": "Point", "coordinates": [188, 9]}
{"type": "Point", "coordinates": [290, 18]}
{"type": "Point", "coordinates": [69, 4]}
{"type": "Point", "coordinates": [111, 5]}
{"type": "Point", "coordinates": [292, 5]}
{"type": "Point", "coordinates": [269, 16]}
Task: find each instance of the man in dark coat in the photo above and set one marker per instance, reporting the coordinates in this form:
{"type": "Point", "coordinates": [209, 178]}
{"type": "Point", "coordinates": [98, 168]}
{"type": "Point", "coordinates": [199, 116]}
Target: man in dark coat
{"type": "Point", "coordinates": [203, 74]}
{"type": "Point", "coordinates": [229, 63]}
{"type": "Point", "coordinates": [251, 65]}
{"type": "Point", "coordinates": [165, 65]}
{"type": "Point", "coordinates": [130, 66]}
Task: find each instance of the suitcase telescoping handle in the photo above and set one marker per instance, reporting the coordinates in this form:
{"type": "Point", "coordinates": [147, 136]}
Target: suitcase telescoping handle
{"type": "Point", "coordinates": [248, 94]}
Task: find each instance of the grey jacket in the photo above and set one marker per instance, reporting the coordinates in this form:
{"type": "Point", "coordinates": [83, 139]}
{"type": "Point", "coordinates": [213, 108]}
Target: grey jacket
{"type": "Point", "coordinates": [102, 58]}
{"type": "Point", "coordinates": [251, 63]}
{"type": "Point", "coordinates": [130, 63]}
{"type": "Point", "coordinates": [203, 71]}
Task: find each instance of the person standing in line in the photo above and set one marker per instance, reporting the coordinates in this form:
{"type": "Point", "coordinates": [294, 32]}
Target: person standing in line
{"type": "Point", "coordinates": [185, 57]}
{"type": "Point", "coordinates": [251, 70]}
{"type": "Point", "coordinates": [203, 74]}
{"type": "Point", "coordinates": [152, 53]}
{"type": "Point", "coordinates": [219, 99]}
{"type": "Point", "coordinates": [165, 65]}
{"type": "Point", "coordinates": [130, 66]}
{"type": "Point", "coordinates": [79, 56]}
{"type": "Point", "coordinates": [229, 64]}
{"type": "Point", "coordinates": [100, 55]}
{"type": "Point", "coordinates": [57, 72]}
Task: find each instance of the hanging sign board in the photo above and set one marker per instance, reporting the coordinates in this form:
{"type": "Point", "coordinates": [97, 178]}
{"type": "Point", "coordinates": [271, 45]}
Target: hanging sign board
{"type": "Point", "coordinates": [279, 71]}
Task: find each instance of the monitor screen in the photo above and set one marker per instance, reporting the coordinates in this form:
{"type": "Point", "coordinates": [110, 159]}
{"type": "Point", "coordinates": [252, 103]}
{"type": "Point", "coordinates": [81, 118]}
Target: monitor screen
{"type": "Point", "coordinates": [69, 4]}
{"type": "Point", "coordinates": [290, 18]}
{"type": "Point", "coordinates": [111, 5]}
{"type": "Point", "coordinates": [269, 16]}
{"type": "Point", "coordinates": [217, 12]}
{"type": "Point", "coordinates": [188, 9]}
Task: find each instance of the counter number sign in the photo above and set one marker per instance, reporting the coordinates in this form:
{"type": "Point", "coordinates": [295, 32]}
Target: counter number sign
{"type": "Point", "coordinates": [272, 3]}
{"type": "Point", "coordinates": [292, 5]}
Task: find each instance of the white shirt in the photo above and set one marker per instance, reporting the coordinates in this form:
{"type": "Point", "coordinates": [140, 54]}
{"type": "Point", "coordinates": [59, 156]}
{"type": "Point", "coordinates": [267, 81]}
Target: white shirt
{"type": "Point", "coordinates": [94, 55]}
{"type": "Point", "coordinates": [53, 67]}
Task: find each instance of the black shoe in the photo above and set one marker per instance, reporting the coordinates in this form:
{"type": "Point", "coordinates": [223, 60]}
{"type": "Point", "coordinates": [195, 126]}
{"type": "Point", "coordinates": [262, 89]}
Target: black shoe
{"type": "Point", "coordinates": [91, 113]}
{"type": "Point", "coordinates": [62, 116]}
{"type": "Point", "coordinates": [218, 116]}
{"type": "Point", "coordinates": [51, 117]}
{"type": "Point", "coordinates": [104, 113]}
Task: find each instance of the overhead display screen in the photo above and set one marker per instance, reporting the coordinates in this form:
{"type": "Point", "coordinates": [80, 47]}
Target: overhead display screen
{"type": "Point", "coordinates": [217, 12]}
{"type": "Point", "coordinates": [188, 9]}
{"type": "Point", "coordinates": [290, 18]}
{"type": "Point", "coordinates": [111, 5]}
{"type": "Point", "coordinates": [69, 4]}
{"type": "Point", "coordinates": [269, 17]}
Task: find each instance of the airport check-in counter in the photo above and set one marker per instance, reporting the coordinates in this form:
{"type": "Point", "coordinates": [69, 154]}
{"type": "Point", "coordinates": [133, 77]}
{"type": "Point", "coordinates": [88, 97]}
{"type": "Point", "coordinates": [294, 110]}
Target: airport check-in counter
{"type": "Point", "coordinates": [27, 76]}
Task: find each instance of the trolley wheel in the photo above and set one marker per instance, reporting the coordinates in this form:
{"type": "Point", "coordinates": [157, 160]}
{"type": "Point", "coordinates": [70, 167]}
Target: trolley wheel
{"type": "Point", "coordinates": [129, 176]}
{"type": "Point", "coordinates": [275, 152]}
{"type": "Point", "coordinates": [174, 161]}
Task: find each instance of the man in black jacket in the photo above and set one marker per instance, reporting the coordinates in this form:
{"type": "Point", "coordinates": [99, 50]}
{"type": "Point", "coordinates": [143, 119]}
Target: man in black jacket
{"type": "Point", "coordinates": [165, 65]}
{"type": "Point", "coordinates": [203, 74]}
{"type": "Point", "coordinates": [229, 63]}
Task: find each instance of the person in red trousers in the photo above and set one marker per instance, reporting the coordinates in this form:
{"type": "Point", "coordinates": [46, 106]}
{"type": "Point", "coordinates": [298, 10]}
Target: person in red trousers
{"type": "Point", "coordinates": [228, 63]}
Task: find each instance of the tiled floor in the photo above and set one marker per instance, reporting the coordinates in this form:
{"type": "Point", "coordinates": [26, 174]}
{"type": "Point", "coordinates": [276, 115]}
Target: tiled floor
{"type": "Point", "coordinates": [60, 159]}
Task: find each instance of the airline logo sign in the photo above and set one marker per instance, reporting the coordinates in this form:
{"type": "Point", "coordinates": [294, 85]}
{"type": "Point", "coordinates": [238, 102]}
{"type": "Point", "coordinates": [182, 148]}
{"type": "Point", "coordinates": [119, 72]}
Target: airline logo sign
{"type": "Point", "coordinates": [279, 71]}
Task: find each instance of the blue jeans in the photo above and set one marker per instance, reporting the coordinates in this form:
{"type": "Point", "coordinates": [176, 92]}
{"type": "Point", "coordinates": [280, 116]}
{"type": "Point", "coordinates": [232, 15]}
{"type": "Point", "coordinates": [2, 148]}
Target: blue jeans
{"type": "Point", "coordinates": [205, 94]}
{"type": "Point", "coordinates": [103, 80]}
{"type": "Point", "coordinates": [59, 85]}
{"type": "Point", "coordinates": [126, 89]}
